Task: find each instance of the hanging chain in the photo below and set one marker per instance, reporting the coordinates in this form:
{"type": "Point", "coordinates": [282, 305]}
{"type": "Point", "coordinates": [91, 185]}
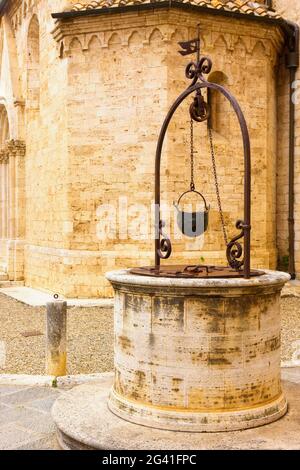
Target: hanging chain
{"type": "Point", "coordinates": [217, 185]}
{"type": "Point", "coordinates": [192, 185]}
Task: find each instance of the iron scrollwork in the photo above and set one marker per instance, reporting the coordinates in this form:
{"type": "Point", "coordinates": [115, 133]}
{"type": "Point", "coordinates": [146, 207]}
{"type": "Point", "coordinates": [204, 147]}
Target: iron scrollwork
{"type": "Point", "coordinates": [194, 71]}
{"type": "Point", "coordinates": [165, 246]}
{"type": "Point", "coordinates": [234, 250]}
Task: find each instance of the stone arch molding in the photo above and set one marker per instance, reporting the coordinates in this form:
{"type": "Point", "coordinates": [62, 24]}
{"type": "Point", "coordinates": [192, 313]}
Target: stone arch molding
{"type": "Point", "coordinates": [241, 45]}
{"type": "Point", "coordinates": [106, 39]}
{"type": "Point", "coordinates": [222, 40]}
{"type": "Point", "coordinates": [135, 38]}
{"type": "Point", "coordinates": [209, 40]}
{"type": "Point", "coordinates": [23, 12]}
{"type": "Point", "coordinates": [33, 63]}
{"type": "Point", "coordinates": [259, 48]}
{"type": "Point", "coordinates": [11, 94]}
{"type": "Point", "coordinates": [4, 125]}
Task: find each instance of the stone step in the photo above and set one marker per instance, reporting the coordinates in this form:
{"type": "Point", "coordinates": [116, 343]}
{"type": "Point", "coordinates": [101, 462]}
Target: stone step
{"type": "Point", "coordinates": [7, 283]}
{"type": "Point", "coordinates": [3, 276]}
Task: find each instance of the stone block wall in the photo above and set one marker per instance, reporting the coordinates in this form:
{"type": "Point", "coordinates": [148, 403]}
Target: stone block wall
{"type": "Point", "coordinates": [122, 81]}
{"type": "Point", "coordinates": [41, 96]}
{"type": "Point", "coordinates": [106, 83]}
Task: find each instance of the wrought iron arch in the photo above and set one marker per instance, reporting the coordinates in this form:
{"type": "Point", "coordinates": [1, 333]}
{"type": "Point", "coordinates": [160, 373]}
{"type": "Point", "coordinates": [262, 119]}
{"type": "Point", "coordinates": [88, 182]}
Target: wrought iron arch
{"type": "Point", "coordinates": [237, 256]}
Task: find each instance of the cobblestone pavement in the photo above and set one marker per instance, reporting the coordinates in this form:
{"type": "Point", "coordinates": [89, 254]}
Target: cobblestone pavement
{"type": "Point", "coordinates": [26, 424]}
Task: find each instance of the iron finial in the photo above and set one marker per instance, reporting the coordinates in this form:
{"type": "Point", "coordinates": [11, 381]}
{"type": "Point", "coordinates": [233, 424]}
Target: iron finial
{"type": "Point", "coordinates": [192, 46]}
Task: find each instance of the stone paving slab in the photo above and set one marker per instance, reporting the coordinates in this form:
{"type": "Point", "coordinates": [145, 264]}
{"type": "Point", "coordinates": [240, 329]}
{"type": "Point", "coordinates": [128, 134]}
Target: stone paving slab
{"type": "Point", "coordinates": [25, 419]}
{"type": "Point", "coordinates": [40, 423]}
{"type": "Point", "coordinates": [9, 389]}
{"type": "Point", "coordinates": [45, 443]}
{"type": "Point", "coordinates": [37, 298]}
{"type": "Point", "coordinates": [28, 395]}
{"type": "Point", "coordinates": [44, 404]}
{"type": "Point", "coordinates": [19, 415]}
{"type": "Point", "coordinates": [26, 423]}
{"type": "Point", "coordinates": [12, 436]}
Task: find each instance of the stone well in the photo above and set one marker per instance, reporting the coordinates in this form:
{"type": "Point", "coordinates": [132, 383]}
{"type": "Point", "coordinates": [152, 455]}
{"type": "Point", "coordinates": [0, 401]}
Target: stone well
{"type": "Point", "coordinates": [193, 355]}
{"type": "Point", "coordinates": [197, 354]}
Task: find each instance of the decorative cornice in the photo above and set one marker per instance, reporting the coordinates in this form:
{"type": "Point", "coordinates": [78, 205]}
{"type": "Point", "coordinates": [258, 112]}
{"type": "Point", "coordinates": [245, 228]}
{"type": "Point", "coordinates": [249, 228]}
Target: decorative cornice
{"type": "Point", "coordinates": [82, 31]}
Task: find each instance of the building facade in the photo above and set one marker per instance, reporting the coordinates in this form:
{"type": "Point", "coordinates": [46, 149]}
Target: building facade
{"type": "Point", "coordinates": [83, 95]}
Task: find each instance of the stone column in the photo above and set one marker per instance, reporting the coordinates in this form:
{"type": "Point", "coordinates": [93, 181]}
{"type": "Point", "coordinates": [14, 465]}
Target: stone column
{"type": "Point", "coordinates": [4, 158]}
{"type": "Point", "coordinates": [16, 209]}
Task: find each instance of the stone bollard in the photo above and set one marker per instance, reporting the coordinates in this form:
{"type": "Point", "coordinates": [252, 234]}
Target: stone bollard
{"type": "Point", "coordinates": [56, 338]}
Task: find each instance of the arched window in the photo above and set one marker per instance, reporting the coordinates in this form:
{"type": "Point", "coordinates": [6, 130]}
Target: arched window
{"type": "Point", "coordinates": [219, 105]}
{"type": "Point", "coordinates": [33, 65]}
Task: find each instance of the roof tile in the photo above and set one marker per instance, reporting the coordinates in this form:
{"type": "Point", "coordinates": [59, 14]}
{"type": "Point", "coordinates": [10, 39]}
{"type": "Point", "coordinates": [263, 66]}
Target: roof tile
{"type": "Point", "coordinates": [245, 7]}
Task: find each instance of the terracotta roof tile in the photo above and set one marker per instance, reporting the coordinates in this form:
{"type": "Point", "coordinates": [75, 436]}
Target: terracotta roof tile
{"type": "Point", "coordinates": [245, 7]}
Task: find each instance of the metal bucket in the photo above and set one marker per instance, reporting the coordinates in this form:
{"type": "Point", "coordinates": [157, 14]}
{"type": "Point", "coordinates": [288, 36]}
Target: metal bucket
{"type": "Point", "coordinates": [192, 224]}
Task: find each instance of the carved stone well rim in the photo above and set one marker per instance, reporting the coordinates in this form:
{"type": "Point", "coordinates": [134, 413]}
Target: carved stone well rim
{"type": "Point", "coordinates": [269, 277]}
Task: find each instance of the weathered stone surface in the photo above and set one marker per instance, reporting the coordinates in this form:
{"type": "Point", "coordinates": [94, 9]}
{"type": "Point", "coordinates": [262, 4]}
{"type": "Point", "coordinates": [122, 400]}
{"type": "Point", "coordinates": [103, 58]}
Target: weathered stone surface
{"type": "Point", "coordinates": [56, 338]}
{"type": "Point", "coordinates": [25, 420]}
{"type": "Point", "coordinates": [197, 354]}
{"type": "Point", "coordinates": [84, 422]}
